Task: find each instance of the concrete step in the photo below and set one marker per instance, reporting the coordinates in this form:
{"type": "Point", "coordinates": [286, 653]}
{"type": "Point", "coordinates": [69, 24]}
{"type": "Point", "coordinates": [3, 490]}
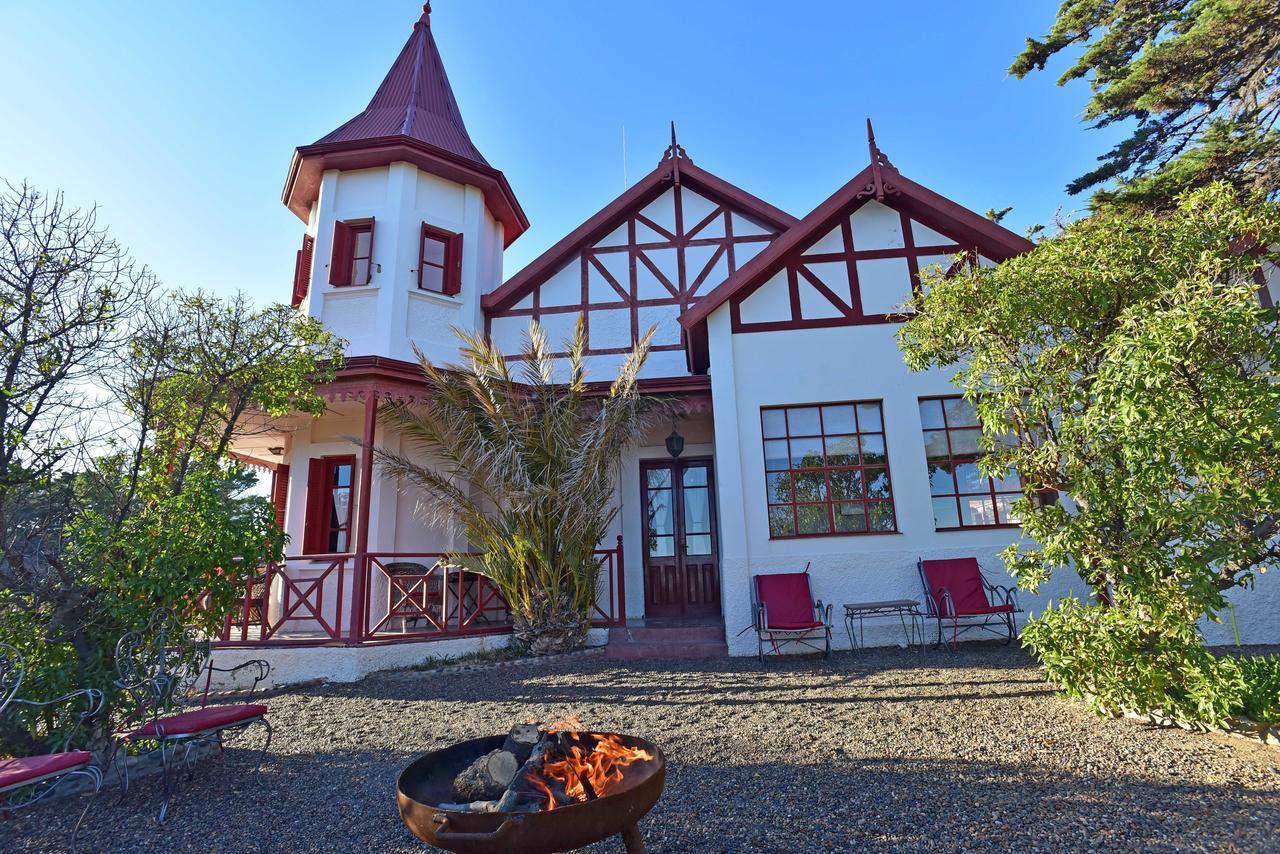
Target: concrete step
{"type": "Point", "coordinates": [667, 634]}
{"type": "Point", "coordinates": [633, 651]}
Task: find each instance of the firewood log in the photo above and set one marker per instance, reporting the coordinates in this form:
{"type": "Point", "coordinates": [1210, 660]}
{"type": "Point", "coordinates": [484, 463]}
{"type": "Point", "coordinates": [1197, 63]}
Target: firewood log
{"type": "Point", "coordinates": [521, 740]}
{"type": "Point", "coordinates": [522, 795]}
{"type": "Point", "coordinates": [486, 778]}
{"type": "Point", "coordinates": [473, 806]}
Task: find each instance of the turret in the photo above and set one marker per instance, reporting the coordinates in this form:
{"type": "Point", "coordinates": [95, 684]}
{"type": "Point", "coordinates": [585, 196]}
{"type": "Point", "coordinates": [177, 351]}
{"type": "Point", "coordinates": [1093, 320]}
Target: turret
{"type": "Point", "coordinates": [406, 220]}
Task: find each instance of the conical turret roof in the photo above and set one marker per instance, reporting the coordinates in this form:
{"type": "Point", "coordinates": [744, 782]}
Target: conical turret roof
{"type": "Point", "coordinates": [414, 100]}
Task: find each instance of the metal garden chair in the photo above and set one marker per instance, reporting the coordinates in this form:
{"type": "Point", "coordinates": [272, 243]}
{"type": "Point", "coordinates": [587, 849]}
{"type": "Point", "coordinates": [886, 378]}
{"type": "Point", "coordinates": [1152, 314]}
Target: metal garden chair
{"type": "Point", "coordinates": [786, 612]}
{"type": "Point", "coordinates": [26, 780]}
{"type": "Point", "coordinates": [159, 668]}
{"type": "Point", "coordinates": [955, 590]}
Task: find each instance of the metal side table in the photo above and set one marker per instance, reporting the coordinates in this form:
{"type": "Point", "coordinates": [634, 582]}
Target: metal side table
{"type": "Point", "coordinates": [904, 609]}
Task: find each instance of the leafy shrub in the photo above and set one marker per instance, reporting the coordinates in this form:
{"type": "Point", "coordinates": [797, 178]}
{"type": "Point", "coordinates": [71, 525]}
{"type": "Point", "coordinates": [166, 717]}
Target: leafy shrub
{"type": "Point", "coordinates": [1260, 700]}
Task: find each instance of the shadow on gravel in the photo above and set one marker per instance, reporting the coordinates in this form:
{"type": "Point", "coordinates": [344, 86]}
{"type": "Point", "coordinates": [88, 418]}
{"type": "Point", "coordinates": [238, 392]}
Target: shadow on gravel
{"type": "Point", "coordinates": [882, 750]}
{"type": "Point", "coordinates": [961, 805]}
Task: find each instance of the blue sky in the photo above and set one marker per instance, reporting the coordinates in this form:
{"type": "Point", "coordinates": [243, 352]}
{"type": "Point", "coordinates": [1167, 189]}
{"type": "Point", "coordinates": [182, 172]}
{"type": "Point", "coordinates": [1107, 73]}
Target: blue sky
{"type": "Point", "coordinates": [179, 119]}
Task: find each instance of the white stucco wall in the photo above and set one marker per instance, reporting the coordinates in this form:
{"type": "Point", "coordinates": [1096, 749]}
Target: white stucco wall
{"type": "Point", "coordinates": [391, 314]}
{"type": "Point", "coordinates": [753, 370]}
{"type": "Point", "coordinates": [759, 369]}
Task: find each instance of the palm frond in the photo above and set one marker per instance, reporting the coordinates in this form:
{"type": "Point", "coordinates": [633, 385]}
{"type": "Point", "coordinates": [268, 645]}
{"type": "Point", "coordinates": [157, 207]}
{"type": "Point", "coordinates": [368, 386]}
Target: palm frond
{"type": "Point", "coordinates": [523, 464]}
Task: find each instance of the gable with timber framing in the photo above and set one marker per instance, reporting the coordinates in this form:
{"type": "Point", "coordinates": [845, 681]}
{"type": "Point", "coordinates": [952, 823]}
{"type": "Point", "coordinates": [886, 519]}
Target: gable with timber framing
{"type": "Point", "coordinates": [657, 249]}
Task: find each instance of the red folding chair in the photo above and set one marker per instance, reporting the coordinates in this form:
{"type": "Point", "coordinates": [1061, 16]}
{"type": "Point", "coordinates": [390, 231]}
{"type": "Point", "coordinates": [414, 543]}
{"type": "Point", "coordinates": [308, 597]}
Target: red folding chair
{"type": "Point", "coordinates": [955, 590]}
{"type": "Point", "coordinates": [786, 612]}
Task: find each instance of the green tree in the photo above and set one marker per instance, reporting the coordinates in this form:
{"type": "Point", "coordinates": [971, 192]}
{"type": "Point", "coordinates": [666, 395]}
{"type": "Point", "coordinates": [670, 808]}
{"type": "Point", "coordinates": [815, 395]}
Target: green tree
{"type": "Point", "coordinates": [525, 466]}
{"type": "Point", "coordinates": [1199, 80]}
{"type": "Point", "coordinates": [117, 493]}
{"type": "Point", "coordinates": [1128, 364]}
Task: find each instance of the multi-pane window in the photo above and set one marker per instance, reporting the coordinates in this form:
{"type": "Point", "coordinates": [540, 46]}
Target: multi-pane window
{"type": "Point", "coordinates": [826, 470]}
{"type": "Point", "coordinates": [329, 505]}
{"type": "Point", "coordinates": [440, 261]}
{"type": "Point", "coordinates": [962, 496]}
{"type": "Point", "coordinates": [352, 260]}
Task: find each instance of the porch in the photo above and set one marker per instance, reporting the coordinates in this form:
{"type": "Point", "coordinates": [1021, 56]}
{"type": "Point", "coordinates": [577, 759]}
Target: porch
{"type": "Point", "coordinates": [364, 571]}
{"type": "Point", "coordinates": [393, 597]}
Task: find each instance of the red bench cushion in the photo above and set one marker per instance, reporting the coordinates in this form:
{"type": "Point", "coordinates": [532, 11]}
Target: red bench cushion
{"type": "Point", "coordinates": [25, 768]}
{"type": "Point", "coordinates": [787, 600]}
{"type": "Point", "coordinates": [201, 720]}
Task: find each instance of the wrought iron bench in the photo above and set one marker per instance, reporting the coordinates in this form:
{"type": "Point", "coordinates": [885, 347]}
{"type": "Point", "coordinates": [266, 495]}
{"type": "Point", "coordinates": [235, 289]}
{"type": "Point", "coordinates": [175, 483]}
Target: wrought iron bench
{"type": "Point", "coordinates": [25, 780]}
{"type": "Point", "coordinates": [159, 667]}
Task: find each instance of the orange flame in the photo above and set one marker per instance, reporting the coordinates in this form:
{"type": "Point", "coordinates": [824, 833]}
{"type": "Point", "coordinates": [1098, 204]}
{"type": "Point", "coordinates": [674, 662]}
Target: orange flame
{"type": "Point", "coordinates": [597, 768]}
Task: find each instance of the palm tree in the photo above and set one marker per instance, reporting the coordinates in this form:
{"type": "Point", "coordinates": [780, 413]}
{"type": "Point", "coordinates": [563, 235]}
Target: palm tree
{"type": "Point", "coordinates": [526, 467]}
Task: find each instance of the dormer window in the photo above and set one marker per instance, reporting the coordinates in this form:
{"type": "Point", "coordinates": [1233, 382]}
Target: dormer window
{"type": "Point", "coordinates": [440, 261]}
{"type": "Point", "coordinates": [352, 261]}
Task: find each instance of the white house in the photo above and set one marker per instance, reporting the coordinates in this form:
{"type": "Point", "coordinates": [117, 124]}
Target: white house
{"type": "Point", "coordinates": [807, 442]}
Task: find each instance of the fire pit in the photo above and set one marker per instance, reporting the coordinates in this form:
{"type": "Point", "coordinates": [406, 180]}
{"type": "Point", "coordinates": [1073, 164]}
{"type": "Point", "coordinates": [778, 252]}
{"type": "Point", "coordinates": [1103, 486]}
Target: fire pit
{"type": "Point", "coordinates": [575, 788]}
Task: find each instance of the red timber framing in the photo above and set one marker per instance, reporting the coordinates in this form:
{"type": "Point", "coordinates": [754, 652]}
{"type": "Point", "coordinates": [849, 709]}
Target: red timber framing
{"type": "Point", "coordinates": [826, 237]}
{"type": "Point", "coordinates": [623, 250]}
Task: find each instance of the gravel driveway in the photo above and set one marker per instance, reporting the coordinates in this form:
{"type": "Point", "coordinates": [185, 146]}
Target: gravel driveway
{"type": "Point", "coordinates": [885, 750]}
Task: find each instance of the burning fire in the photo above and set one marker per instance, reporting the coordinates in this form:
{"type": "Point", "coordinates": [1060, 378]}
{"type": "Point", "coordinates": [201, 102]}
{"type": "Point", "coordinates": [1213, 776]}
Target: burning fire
{"type": "Point", "coordinates": [592, 763]}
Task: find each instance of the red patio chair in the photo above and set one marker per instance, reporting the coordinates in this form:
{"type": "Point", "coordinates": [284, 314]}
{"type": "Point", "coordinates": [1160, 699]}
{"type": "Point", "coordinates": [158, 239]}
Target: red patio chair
{"type": "Point", "coordinates": [160, 667]}
{"type": "Point", "coordinates": [25, 780]}
{"type": "Point", "coordinates": [955, 590]}
{"type": "Point", "coordinates": [786, 612]}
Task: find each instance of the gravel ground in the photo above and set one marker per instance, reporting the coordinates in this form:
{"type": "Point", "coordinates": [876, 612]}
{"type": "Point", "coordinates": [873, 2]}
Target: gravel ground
{"type": "Point", "coordinates": [886, 750]}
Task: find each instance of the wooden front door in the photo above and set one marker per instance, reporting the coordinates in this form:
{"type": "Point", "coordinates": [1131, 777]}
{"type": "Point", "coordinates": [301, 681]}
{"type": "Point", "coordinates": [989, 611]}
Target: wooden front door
{"type": "Point", "coordinates": [681, 563]}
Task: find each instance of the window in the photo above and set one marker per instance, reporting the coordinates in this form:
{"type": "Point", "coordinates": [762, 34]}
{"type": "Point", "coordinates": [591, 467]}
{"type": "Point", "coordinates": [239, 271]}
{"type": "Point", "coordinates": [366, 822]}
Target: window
{"type": "Point", "coordinates": [826, 470]}
{"type": "Point", "coordinates": [440, 261]}
{"type": "Point", "coordinates": [352, 261]}
{"type": "Point", "coordinates": [962, 496]}
{"type": "Point", "coordinates": [330, 489]}
{"type": "Point", "coordinates": [302, 269]}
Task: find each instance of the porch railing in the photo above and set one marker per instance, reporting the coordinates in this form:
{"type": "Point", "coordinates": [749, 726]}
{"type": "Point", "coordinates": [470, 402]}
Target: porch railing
{"type": "Point", "coordinates": [386, 597]}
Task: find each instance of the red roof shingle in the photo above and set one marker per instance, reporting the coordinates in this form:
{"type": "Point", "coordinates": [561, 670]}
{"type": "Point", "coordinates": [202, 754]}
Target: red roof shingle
{"type": "Point", "coordinates": [414, 100]}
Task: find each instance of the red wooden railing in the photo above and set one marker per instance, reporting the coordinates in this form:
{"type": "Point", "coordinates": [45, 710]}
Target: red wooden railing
{"type": "Point", "coordinates": [386, 598]}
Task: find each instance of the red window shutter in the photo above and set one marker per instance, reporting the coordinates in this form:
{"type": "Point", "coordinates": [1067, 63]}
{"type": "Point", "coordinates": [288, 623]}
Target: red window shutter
{"type": "Point", "coordinates": [340, 261]}
{"type": "Point", "coordinates": [280, 492]}
{"type": "Point", "coordinates": [315, 528]}
{"type": "Point", "coordinates": [453, 265]}
{"type": "Point", "coordinates": [302, 269]}
{"type": "Point", "coordinates": [368, 276]}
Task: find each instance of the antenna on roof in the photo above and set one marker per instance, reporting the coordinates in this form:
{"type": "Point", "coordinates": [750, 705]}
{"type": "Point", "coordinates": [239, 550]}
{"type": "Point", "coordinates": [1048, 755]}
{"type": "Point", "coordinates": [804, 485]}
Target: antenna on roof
{"type": "Point", "coordinates": [624, 157]}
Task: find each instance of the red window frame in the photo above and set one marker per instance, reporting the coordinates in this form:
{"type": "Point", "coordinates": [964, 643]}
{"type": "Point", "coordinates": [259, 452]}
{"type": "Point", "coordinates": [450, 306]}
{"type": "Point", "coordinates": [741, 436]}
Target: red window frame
{"type": "Point", "coordinates": [945, 481]}
{"type": "Point", "coordinates": [849, 487]}
{"type": "Point", "coordinates": [344, 260]}
{"type": "Point", "coordinates": [323, 528]}
{"type": "Point", "coordinates": [450, 265]}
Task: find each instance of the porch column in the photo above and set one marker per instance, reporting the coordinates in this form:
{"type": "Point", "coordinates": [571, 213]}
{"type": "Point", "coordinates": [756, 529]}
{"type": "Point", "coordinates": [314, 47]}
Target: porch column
{"type": "Point", "coordinates": [364, 497]}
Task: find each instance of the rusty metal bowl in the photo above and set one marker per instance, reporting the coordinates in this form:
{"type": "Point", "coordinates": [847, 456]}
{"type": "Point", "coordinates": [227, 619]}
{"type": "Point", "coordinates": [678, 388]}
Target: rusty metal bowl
{"type": "Point", "coordinates": [428, 781]}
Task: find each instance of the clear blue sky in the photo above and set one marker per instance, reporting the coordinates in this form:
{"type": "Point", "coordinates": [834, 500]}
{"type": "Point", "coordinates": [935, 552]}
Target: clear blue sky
{"type": "Point", "coordinates": [178, 119]}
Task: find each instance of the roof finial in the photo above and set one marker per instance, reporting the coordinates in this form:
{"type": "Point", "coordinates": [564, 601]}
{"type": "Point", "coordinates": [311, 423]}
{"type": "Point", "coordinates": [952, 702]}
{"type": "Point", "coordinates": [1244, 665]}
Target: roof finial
{"type": "Point", "coordinates": [878, 159]}
{"type": "Point", "coordinates": [425, 20]}
{"type": "Point", "coordinates": [675, 152]}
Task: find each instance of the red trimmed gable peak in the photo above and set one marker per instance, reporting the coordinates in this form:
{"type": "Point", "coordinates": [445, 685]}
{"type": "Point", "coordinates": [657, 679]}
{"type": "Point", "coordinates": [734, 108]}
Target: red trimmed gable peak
{"type": "Point", "coordinates": [414, 100]}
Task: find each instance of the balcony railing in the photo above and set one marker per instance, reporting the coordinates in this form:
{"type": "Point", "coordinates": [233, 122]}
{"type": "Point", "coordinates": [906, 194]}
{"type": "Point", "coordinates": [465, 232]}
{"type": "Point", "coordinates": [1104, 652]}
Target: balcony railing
{"type": "Point", "coordinates": [386, 597]}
